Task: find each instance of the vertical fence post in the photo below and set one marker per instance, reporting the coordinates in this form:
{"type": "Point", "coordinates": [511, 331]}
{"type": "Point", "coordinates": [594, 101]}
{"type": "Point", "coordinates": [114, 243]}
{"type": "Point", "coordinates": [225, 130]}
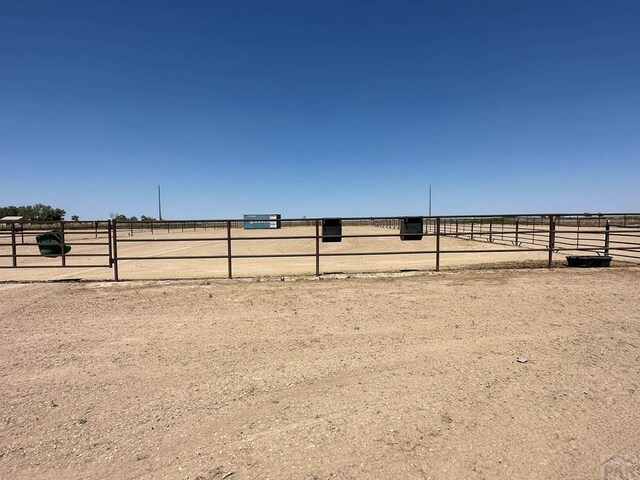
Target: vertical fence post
{"type": "Point", "coordinates": [62, 244]}
{"type": "Point", "coordinates": [437, 244]}
{"type": "Point", "coordinates": [317, 247]}
{"type": "Point", "coordinates": [552, 237]}
{"type": "Point", "coordinates": [578, 232]}
{"type": "Point", "coordinates": [95, 227]}
{"type": "Point", "coordinates": [229, 270]}
{"type": "Point", "coordinates": [114, 230]}
{"type": "Point", "coordinates": [517, 230]}
{"type": "Point", "coordinates": [109, 238]}
{"type": "Point", "coordinates": [456, 226]}
{"type": "Point", "coordinates": [472, 222]}
{"type": "Point", "coordinates": [14, 250]}
{"type": "Point", "coordinates": [491, 229]}
{"type": "Point", "coordinates": [606, 236]}
{"type": "Point", "coordinates": [533, 231]}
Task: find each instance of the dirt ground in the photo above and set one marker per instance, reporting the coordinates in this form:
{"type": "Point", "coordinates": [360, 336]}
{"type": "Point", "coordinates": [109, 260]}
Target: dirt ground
{"type": "Point", "coordinates": [497, 374]}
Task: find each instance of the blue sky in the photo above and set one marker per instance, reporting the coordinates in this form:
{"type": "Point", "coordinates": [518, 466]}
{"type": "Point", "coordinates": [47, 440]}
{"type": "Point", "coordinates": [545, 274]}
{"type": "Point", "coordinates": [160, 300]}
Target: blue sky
{"type": "Point", "coordinates": [320, 108]}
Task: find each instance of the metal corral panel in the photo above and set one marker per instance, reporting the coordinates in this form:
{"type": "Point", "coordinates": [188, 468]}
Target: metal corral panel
{"type": "Point", "coordinates": [262, 220]}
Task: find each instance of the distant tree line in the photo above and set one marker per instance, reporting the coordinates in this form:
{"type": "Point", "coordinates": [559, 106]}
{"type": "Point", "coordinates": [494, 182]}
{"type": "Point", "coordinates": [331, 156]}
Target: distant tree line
{"type": "Point", "coordinates": [122, 218]}
{"type": "Point", "coordinates": [33, 212]}
{"type": "Point", "coordinates": [49, 213]}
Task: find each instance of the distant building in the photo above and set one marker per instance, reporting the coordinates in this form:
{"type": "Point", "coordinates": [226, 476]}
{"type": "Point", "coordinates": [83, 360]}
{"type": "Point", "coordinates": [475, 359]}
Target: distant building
{"type": "Point", "coordinates": [8, 220]}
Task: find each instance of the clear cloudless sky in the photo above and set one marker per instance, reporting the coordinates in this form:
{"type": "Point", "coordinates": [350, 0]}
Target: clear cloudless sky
{"type": "Point", "coordinates": [332, 107]}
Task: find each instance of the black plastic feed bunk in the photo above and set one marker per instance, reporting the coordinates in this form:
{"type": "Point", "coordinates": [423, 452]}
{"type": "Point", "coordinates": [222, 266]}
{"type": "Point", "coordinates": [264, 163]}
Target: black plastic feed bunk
{"type": "Point", "coordinates": [585, 261]}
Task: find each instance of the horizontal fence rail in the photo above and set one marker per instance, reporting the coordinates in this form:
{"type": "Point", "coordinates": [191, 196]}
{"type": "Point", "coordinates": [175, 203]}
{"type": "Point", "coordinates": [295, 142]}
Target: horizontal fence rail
{"type": "Point", "coordinates": [109, 243]}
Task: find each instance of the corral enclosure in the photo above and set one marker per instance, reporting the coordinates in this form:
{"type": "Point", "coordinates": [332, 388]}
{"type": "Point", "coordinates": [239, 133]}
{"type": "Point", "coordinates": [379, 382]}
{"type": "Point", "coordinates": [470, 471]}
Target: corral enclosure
{"type": "Point", "coordinates": [476, 372]}
{"type": "Point", "coordinates": [222, 248]}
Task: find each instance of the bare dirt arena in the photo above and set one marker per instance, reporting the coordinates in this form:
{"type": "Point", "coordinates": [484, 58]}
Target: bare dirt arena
{"type": "Point", "coordinates": [527, 374]}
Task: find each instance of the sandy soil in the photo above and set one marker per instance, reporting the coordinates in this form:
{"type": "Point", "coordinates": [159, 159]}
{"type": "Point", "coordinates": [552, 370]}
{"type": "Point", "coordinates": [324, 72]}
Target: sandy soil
{"type": "Point", "coordinates": [211, 242]}
{"type": "Point", "coordinates": [410, 376]}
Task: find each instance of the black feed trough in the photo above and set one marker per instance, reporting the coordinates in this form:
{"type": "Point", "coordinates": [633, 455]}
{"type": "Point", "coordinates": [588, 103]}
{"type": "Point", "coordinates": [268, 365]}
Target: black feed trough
{"type": "Point", "coordinates": [411, 228]}
{"type": "Point", "coordinates": [331, 230]}
{"type": "Point", "coordinates": [586, 261]}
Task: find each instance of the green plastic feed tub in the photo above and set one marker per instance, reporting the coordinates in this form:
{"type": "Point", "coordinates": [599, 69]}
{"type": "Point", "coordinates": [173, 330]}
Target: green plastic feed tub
{"type": "Point", "coordinates": [50, 244]}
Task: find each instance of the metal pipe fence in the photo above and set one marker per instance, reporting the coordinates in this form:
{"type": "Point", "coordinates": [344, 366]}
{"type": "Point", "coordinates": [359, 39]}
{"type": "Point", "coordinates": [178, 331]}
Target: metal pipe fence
{"type": "Point", "coordinates": [106, 241]}
{"type": "Point", "coordinates": [23, 243]}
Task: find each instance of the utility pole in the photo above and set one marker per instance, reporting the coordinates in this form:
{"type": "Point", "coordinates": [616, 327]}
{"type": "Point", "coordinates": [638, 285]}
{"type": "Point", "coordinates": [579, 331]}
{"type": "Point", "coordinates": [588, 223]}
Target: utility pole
{"type": "Point", "coordinates": [159, 205]}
